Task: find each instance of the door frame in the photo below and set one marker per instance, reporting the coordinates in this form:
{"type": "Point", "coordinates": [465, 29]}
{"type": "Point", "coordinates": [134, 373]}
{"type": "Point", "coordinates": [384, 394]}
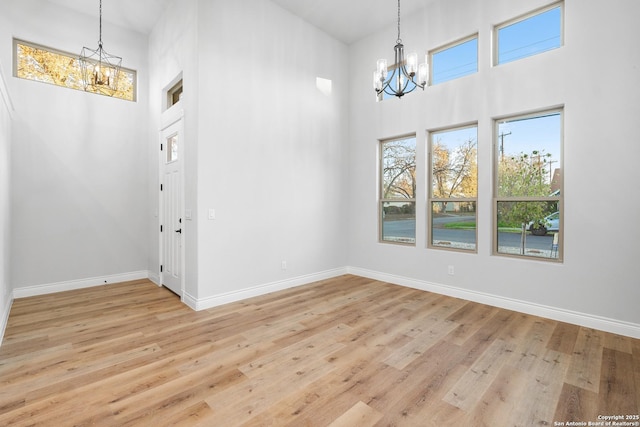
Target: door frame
{"type": "Point", "coordinates": [169, 118]}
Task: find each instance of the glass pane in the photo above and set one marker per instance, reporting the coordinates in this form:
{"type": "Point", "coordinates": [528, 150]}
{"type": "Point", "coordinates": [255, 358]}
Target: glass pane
{"type": "Point", "coordinates": [43, 65]}
{"type": "Point", "coordinates": [453, 225]}
{"type": "Point", "coordinates": [529, 228]}
{"type": "Point", "coordinates": [399, 222]}
{"type": "Point", "coordinates": [399, 169]}
{"type": "Point", "coordinates": [456, 61]}
{"type": "Point", "coordinates": [529, 159]}
{"type": "Point", "coordinates": [530, 36]}
{"type": "Point", "coordinates": [393, 75]}
{"type": "Point", "coordinates": [172, 148]}
{"type": "Point", "coordinates": [454, 166]}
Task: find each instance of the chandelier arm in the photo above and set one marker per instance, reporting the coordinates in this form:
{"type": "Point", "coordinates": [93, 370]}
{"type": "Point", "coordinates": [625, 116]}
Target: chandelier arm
{"type": "Point", "coordinates": [400, 81]}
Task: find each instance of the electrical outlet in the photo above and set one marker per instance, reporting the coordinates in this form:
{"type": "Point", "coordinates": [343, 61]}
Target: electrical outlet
{"type": "Point", "coordinates": [283, 265]}
{"type": "Point", "coordinates": [451, 270]}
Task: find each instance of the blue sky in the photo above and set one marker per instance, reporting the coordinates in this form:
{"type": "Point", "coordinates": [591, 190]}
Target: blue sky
{"type": "Point", "coordinates": [517, 40]}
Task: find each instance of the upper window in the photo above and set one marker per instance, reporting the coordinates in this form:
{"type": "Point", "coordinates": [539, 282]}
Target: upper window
{"type": "Point", "coordinates": [454, 188]}
{"type": "Point", "coordinates": [529, 35]}
{"type": "Point", "coordinates": [42, 64]}
{"type": "Point", "coordinates": [398, 190]}
{"type": "Point", "coordinates": [528, 192]}
{"type": "Point", "coordinates": [453, 61]}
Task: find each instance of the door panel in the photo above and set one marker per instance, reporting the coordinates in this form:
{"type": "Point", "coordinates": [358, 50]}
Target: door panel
{"type": "Point", "coordinates": [172, 230]}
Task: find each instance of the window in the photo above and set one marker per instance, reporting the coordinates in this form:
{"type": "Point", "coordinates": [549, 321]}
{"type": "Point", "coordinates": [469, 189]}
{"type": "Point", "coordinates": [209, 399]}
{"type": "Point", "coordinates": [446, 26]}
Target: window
{"type": "Point", "coordinates": [174, 94]}
{"type": "Point", "coordinates": [398, 190]}
{"type": "Point", "coordinates": [528, 202]}
{"type": "Point", "coordinates": [172, 149]}
{"type": "Point", "coordinates": [529, 35]}
{"type": "Point", "coordinates": [453, 61]}
{"type": "Point", "coordinates": [42, 64]}
{"type": "Point", "coordinates": [454, 188]}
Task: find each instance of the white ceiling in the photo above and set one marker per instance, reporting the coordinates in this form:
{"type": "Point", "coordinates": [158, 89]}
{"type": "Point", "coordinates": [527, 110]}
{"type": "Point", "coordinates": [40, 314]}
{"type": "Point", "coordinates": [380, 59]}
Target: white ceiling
{"type": "Point", "coordinates": [137, 15]}
{"type": "Point", "coordinates": [346, 20]}
{"type": "Point", "coordinates": [350, 20]}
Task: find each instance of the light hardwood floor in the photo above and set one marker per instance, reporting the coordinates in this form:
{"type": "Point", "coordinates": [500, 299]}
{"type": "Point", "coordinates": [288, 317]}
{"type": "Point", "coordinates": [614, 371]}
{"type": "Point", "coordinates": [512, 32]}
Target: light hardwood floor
{"type": "Point", "coordinates": [348, 351]}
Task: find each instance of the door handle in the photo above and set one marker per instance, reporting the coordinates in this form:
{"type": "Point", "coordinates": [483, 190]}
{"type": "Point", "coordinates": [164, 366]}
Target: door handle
{"type": "Point", "coordinates": [179, 230]}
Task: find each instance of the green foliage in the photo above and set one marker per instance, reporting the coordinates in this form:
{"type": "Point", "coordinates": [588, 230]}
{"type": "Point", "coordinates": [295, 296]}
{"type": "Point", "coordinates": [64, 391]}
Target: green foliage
{"type": "Point", "coordinates": [523, 175]}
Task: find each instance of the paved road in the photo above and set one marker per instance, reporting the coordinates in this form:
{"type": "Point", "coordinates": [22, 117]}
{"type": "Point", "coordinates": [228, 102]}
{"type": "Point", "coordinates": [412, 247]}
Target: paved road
{"type": "Point", "coordinates": [407, 229]}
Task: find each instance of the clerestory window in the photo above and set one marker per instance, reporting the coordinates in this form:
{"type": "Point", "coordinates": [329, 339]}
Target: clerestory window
{"type": "Point", "coordinates": [43, 64]}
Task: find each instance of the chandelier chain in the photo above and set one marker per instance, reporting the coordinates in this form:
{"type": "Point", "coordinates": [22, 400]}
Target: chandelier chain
{"type": "Point", "coordinates": [399, 39]}
{"type": "Point", "coordinates": [100, 39]}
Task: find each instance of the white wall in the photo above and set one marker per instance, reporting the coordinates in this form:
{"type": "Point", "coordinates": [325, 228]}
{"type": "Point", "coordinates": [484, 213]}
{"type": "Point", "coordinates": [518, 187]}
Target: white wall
{"type": "Point", "coordinates": [79, 168]}
{"type": "Point", "coordinates": [173, 49]}
{"type": "Point", "coordinates": [595, 76]}
{"type": "Point", "coordinates": [6, 290]}
{"type": "Point", "coordinates": [263, 146]}
{"type": "Point", "coordinates": [271, 148]}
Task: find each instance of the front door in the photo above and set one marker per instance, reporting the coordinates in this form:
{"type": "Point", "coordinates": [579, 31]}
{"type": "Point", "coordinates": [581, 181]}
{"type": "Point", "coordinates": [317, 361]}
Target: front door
{"type": "Point", "coordinates": [171, 221]}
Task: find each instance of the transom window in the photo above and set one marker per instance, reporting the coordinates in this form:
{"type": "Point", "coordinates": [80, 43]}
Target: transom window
{"type": "Point", "coordinates": [529, 35]}
{"type": "Point", "coordinates": [454, 188]}
{"type": "Point", "coordinates": [43, 64]}
{"type": "Point", "coordinates": [455, 60]}
{"type": "Point", "coordinates": [398, 190]}
{"type": "Point", "coordinates": [528, 185]}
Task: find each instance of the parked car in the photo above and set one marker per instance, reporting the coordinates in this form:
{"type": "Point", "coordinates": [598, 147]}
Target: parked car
{"type": "Point", "coordinates": [550, 222]}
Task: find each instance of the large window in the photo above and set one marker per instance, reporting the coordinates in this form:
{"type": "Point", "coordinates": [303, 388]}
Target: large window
{"type": "Point", "coordinates": [529, 35]}
{"type": "Point", "coordinates": [528, 191]}
{"type": "Point", "coordinates": [398, 190]}
{"type": "Point", "coordinates": [42, 64]}
{"type": "Point", "coordinates": [454, 188]}
{"type": "Point", "coordinates": [455, 60]}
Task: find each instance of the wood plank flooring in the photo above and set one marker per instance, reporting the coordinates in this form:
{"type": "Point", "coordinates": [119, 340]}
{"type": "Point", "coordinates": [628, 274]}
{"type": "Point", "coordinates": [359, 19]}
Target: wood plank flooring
{"type": "Point", "coordinates": [348, 351]}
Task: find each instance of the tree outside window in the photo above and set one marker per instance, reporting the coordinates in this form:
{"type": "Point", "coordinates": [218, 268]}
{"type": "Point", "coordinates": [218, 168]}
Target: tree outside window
{"type": "Point", "coordinates": [529, 185]}
{"type": "Point", "coordinates": [398, 190]}
{"type": "Point", "coordinates": [454, 188]}
{"type": "Point", "coordinates": [41, 64]}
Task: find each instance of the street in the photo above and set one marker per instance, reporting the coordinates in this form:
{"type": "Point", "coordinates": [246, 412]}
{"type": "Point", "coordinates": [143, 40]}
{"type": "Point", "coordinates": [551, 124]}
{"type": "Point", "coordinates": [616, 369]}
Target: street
{"type": "Point", "coordinates": [405, 228]}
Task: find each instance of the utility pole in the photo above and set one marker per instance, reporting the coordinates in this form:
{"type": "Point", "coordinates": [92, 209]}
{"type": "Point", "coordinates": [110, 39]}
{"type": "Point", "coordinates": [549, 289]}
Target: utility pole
{"type": "Point", "coordinates": [551, 162]}
{"type": "Point", "coordinates": [501, 136]}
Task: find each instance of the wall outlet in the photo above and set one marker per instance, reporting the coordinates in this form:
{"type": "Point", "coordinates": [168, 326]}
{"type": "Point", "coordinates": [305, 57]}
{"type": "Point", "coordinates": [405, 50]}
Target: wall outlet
{"type": "Point", "coordinates": [283, 265]}
{"type": "Point", "coordinates": [451, 270]}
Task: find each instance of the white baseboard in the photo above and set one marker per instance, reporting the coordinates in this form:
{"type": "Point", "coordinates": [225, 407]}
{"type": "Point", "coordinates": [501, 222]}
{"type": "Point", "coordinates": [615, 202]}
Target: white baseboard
{"type": "Point", "coordinates": [216, 300]}
{"type": "Point", "coordinates": [4, 319]}
{"type": "Point", "coordinates": [554, 313]}
{"type": "Point", "coordinates": [29, 291]}
{"type": "Point", "coordinates": [582, 319]}
{"type": "Point", "coordinates": [154, 277]}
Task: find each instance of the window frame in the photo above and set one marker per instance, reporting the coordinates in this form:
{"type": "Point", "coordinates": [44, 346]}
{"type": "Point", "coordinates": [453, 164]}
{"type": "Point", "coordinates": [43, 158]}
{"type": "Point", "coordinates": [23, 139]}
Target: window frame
{"type": "Point", "coordinates": [519, 19]}
{"type": "Point", "coordinates": [449, 46]}
{"type": "Point", "coordinates": [430, 197]}
{"type": "Point", "coordinates": [382, 200]}
{"type": "Point", "coordinates": [71, 56]}
{"type": "Point", "coordinates": [558, 198]}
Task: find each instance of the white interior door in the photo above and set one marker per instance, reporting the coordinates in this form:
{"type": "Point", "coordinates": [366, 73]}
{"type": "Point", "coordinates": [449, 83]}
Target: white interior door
{"type": "Point", "coordinates": [171, 221]}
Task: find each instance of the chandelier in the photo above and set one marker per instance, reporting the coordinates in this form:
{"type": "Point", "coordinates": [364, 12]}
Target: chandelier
{"type": "Point", "coordinates": [100, 70]}
{"type": "Point", "coordinates": [402, 78]}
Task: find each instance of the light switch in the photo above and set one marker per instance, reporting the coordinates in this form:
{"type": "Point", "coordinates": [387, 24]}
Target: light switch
{"type": "Point", "coordinates": [187, 214]}
{"type": "Point", "coordinates": [212, 213]}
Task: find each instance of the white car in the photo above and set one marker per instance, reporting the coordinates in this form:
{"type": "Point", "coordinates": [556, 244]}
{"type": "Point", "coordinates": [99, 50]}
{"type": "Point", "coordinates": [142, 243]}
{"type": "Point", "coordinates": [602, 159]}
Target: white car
{"type": "Point", "coordinates": [551, 222]}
